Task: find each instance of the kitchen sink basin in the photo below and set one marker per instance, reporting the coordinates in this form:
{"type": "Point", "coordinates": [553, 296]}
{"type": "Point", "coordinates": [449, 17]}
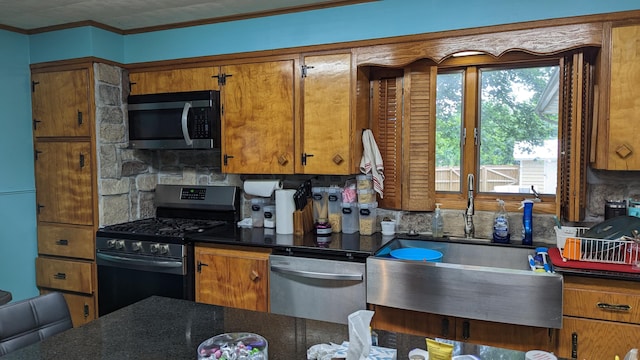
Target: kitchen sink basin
{"type": "Point", "coordinates": [473, 279]}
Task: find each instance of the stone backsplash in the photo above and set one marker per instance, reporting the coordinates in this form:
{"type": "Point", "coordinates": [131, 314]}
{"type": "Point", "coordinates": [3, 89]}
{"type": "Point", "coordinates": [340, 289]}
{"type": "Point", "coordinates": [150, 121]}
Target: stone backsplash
{"type": "Point", "coordinates": [127, 178]}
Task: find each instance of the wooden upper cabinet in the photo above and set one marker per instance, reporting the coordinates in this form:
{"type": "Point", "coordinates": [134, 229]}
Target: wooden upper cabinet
{"type": "Point", "coordinates": [177, 80]}
{"type": "Point", "coordinates": [258, 118]}
{"type": "Point", "coordinates": [60, 103]}
{"type": "Point", "coordinates": [64, 182]}
{"type": "Point", "coordinates": [327, 130]}
{"type": "Point", "coordinates": [619, 122]}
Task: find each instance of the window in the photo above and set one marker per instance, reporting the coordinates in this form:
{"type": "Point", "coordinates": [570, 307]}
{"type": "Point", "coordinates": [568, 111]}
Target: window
{"type": "Point", "coordinates": [514, 135]}
{"type": "Point", "coordinates": [498, 120]}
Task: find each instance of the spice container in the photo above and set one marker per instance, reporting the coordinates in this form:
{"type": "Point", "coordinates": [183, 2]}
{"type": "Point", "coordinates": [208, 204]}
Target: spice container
{"type": "Point", "coordinates": [334, 197]}
{"type": "Point", "coordinates": [367, 217]}
{"type": "Point", "coordinates": [350, 218]}
{"type": "Point", "coordinates": [366, 196]}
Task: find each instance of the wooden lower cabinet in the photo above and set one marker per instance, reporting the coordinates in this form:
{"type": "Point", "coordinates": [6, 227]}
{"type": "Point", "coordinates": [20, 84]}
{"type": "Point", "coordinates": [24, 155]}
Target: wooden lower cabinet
{"type": "Point", "coordinates": [232, 276]}
{"type": "Point", "coordinates": [81, 307]}
{"type": "Point", "coordinates": [509, 336]}
{"type": "Point", "coordinates": [68, 275]}
{"type": "Point", "coordinates": [601, 318]}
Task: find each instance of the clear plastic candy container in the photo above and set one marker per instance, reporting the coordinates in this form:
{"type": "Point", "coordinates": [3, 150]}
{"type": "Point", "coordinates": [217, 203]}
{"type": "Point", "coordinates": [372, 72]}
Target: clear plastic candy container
{"type": "Point", "coordinates": [239, 346]}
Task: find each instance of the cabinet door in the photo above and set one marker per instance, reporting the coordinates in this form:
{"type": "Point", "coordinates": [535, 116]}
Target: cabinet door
{"type": "Point", "coordinates": [232, 278]}
{"type": "Point", "coordinates": [81, 307]}
{"type": "Point", "coordinates": [596, 339]}
{"type": "Point", "coordinates": [258, 118]}
{"type": "Point", "coordinates": [413, 322]}
{"type": "Point", "coordinates": [60, 103]}
{"type": "Point", "coordinates": [165, 81]}
{"type": "Point", "coordinates": [63, 182]}
{"type": "Point", "coordinates": [327, 141]}
{"type": "Point", "coordinates": [624, 99]}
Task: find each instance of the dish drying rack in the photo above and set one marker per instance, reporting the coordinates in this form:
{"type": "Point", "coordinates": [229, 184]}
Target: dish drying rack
{"type": "Point", "coordinates": [573, 246]}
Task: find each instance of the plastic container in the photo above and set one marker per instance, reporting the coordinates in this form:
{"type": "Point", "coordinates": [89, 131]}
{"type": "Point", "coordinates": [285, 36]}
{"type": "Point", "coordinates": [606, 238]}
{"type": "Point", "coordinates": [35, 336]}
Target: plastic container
{"type": "Point", "coordinates": [350, 218]}
{"type": "Point", "coordinates": [239, 345]}
{"type": "Point", "coordinates": [257, 213]}
{"type": "Point", "coordinates": [366, 196]}
{"type": "Point", "coordinates": [437, 223]}
{"type": "Point", "coordinates": [269, 214]}
{"type": "Point", "coordinates": [501, 225]}
{"type": "Point", "coordinates": [334, 198]}
{"type": "Point", "coordinates": [319, 198]}
{"type": "Point", "coordinates": [634, 208]}
{"type": "Point", "coordinates": [367, 217]}
{"type": "Point", "coordinates": [364, 181]}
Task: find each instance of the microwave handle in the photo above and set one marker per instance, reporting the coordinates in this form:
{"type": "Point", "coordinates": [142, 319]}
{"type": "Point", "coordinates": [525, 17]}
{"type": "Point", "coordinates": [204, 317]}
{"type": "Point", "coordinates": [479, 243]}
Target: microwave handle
{"type": "Point", "coordinates": [185, 128]}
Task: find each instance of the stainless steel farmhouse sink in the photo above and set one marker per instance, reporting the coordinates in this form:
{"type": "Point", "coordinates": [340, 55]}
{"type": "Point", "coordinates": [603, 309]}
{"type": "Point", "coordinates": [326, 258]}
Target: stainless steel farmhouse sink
{"type": "Point", "coordinates": [474, 280]}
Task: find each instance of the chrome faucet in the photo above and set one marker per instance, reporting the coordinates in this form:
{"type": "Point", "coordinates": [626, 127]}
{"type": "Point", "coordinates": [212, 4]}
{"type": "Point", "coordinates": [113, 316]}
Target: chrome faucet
{"type": "Point", "coordinates": [469, 230]}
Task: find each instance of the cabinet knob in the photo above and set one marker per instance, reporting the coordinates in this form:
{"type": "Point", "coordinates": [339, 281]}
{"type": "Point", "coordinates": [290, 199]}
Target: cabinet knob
{"type": "Point", "coordinates": [282, 160]}
{"type": "Point", "coordinates": [254, 276]}
{"type": "Point", "coordinates": [623, 151]}
{"type": "Point", "coordinates": [337, 159]}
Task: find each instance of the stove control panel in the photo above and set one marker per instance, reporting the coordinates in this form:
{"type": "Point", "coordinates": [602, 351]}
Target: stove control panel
{"type": "Point", "coordinates": [149, 248]}
{"type": "Point", "coordinates": [193, 193]}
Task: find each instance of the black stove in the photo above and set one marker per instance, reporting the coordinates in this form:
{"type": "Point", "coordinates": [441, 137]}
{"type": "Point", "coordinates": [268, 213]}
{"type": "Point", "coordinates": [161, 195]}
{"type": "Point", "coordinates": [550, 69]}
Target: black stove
{"type": "Point", "coordinates": [154, 256]}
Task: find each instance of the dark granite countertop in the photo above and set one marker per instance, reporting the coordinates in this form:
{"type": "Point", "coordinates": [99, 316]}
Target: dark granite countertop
{"type": "Point", "coordinates": [164, 328]}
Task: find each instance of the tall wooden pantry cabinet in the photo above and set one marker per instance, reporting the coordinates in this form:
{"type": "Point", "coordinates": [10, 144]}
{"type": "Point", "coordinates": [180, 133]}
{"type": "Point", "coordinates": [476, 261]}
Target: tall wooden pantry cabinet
{"type": "Point", "coordinates": [65, 175]}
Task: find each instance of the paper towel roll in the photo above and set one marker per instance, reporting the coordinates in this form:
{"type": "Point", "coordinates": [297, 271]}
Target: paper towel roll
{"type": "Point", "coordinates": [262, 188]}
{"type": "Point", "coordinates": [284, 211]}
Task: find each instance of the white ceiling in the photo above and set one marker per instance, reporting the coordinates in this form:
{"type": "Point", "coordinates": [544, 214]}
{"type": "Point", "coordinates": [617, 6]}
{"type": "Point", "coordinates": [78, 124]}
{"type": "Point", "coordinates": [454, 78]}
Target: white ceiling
{"type": "Point", "coordinates": [136, 14]}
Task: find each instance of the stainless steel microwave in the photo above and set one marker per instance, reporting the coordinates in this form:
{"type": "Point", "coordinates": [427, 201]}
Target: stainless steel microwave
{"type": "Point", "coordinates": [180, 120]}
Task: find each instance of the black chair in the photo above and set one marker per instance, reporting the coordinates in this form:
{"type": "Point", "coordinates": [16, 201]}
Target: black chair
{"type": "Point", "coordinates": [29, 321]}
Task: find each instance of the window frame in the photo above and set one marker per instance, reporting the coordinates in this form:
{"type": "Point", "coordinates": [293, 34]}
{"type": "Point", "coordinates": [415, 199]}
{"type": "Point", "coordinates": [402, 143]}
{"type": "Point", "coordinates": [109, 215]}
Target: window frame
{"type": "Point", "coordinates": [471, 66]}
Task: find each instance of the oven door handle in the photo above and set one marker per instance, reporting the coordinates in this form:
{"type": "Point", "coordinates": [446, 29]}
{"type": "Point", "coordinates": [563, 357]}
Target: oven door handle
{"type": "Point", "coordinates": [317, 275]}
{"type": "Point", "coordinates": [142, 263]}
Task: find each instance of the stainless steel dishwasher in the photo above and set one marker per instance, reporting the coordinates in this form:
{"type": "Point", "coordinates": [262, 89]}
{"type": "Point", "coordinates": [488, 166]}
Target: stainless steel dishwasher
{"type": "Point", "coordinates": [316, 288]}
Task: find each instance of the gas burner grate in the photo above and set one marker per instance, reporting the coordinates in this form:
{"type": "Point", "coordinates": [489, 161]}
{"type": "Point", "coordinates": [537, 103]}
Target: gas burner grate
{"type": "Point", "coordinates": [175, 227]}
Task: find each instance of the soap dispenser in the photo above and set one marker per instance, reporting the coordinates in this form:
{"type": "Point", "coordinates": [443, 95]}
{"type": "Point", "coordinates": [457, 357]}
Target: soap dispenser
{"type": "Point", "coordinates": [437, 225]}
{"type": "Point", "coordinates": [501, 225]}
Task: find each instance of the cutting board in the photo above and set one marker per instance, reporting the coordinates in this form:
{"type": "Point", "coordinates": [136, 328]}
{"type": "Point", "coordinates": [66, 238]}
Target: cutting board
{"type": "Point", "coordinates": [556, 260]}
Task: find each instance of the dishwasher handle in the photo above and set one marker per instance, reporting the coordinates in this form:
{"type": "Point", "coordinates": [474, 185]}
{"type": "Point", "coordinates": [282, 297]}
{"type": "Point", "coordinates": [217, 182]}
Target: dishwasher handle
{"type": "Point", "coordinates": [317, 275]}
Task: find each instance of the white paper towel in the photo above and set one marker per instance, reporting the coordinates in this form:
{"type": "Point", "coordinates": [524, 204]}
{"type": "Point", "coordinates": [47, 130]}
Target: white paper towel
{"type": "Point", "coordinates": [284, 211]}
{"type": "Point", "coordinates": [263, 188]}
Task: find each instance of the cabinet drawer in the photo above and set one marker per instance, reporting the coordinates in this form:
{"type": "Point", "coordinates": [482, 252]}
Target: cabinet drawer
{"type": "Point", "coordinates": [602, 299]}
{"type": "Point", "coordinates": [64, 275]}
{"type": "Point", "coordinates": [61, 240]}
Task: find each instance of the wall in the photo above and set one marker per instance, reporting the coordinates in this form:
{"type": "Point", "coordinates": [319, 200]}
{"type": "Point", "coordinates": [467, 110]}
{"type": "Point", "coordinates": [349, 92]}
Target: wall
{"type": "Point", "coordinates": [17, 188]}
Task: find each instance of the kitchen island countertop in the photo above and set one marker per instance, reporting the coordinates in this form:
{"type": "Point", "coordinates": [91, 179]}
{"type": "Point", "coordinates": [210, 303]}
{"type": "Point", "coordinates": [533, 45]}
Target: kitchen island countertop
{"type": "Point", "coordinates": [164, 328]}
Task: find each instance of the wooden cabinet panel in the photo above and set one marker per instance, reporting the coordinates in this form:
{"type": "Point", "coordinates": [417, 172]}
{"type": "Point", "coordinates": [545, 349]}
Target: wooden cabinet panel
{"type": "Point", "coordinates": [64, 275]}
{"type": "Point", "coordinates": [60, 103]}
{"type": "Point", "coordinates": [82, 308]}
{"type": "Point", "coordinates": [258, 118]}
{"type": "Point", "coordinates": [166, 81]}
{"type": "Point", "coordinates": [603, 302]}
{"type": "Point", "coordinates": [64, 182]}
{"type": "Point", "coordinates": [232, 277]}
{"type": "Point", "coordinates": [327, 131]}
{"type": "Point", "coordinates": [66, 240]}
{"type": "Point", "coordinates": [624, 99]}
{"type": "Point", "coordinates": [516, 337]}
{"type": "Point", "coordinates": [596, 339]}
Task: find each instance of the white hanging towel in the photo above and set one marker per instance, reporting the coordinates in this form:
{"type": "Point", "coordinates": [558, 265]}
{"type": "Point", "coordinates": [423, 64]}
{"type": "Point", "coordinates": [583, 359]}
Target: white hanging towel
{"type": "Point", "coordinates": [371, 161]}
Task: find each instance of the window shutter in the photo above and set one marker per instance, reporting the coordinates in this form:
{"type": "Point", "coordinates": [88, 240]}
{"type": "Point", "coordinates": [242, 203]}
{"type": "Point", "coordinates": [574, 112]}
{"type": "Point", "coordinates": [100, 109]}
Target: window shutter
{"type": "Point", "coordinates": [418, 144]}
{"type": "Point", "coordinates": [576, 99]}
{"type": "Point", "coordinates": [387, 129]}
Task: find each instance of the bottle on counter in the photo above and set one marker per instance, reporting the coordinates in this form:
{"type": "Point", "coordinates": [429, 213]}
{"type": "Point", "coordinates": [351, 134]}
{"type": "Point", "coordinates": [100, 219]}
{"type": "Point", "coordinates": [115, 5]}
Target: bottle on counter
{"type": "Point", "coordinates": [501, 225]}
{"type": "Point", "coordinates": [527, 222]}
{"type": "Point", "coordinates": [437, 223]}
